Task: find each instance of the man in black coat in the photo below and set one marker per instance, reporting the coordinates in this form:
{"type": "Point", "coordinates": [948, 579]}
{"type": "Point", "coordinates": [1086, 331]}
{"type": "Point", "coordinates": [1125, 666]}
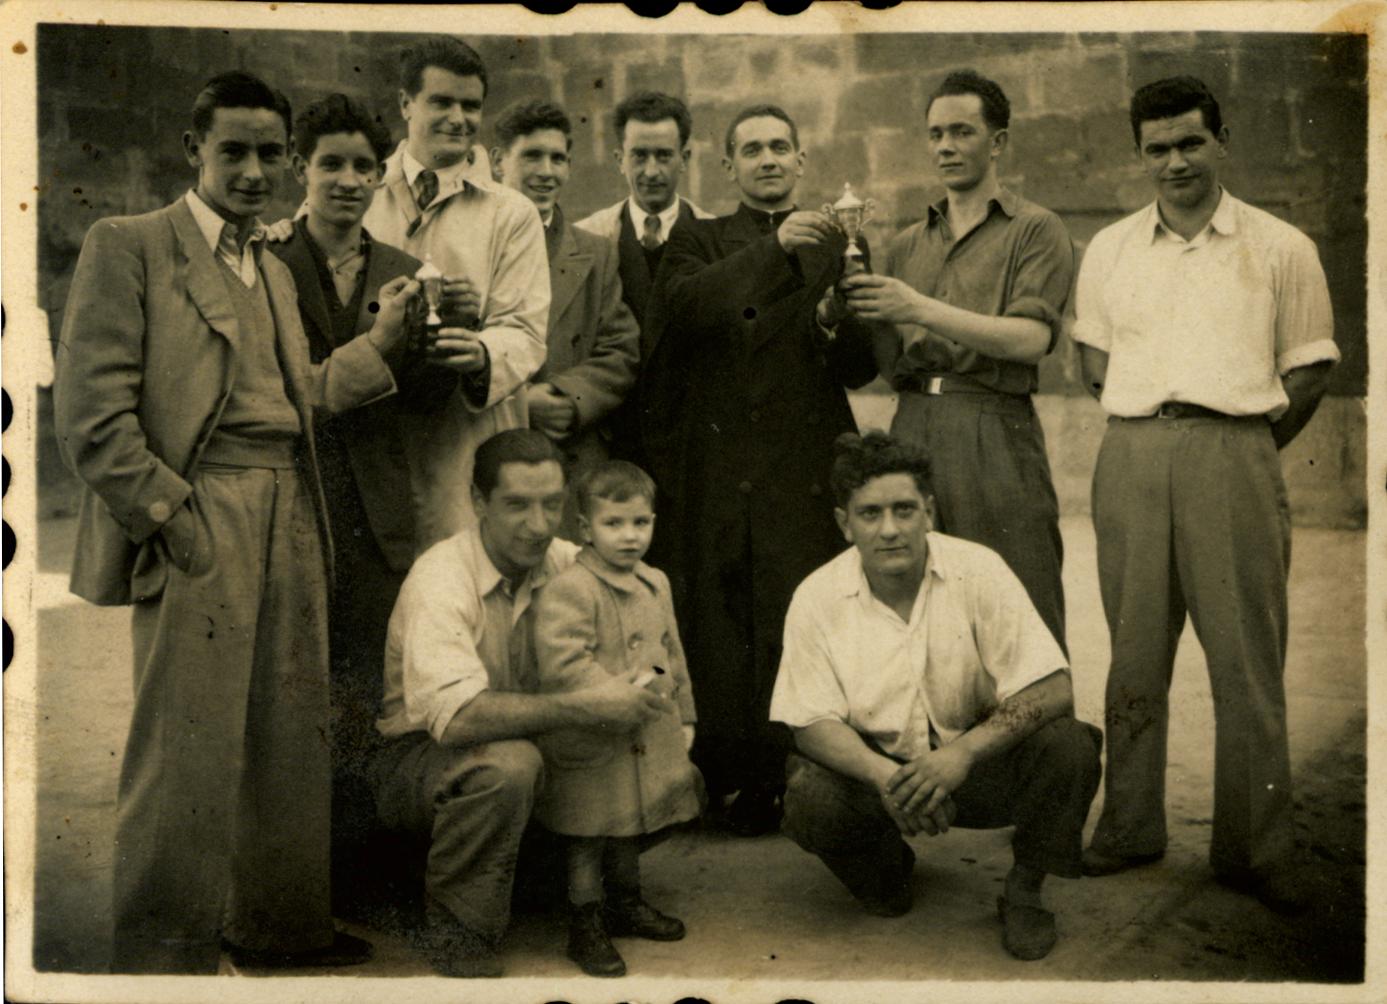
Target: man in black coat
{"type": "Point", "coordinates": [338, 270]}
{"type": "Point", "coordinates": [741, 400]}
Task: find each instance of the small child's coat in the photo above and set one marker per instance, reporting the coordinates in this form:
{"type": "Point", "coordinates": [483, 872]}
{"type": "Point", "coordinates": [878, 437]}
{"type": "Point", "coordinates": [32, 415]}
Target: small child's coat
{"type": "Point", "coordinates": [592, 621]}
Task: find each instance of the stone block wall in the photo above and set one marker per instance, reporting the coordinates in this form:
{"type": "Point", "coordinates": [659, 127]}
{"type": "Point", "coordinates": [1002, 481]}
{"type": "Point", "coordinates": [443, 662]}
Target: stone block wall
{"type": "Point", "coordinates": [114, 101]}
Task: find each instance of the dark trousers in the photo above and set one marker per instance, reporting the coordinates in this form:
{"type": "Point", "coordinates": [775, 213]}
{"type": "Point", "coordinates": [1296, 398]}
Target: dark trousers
{"type": "Point", "coordinates": [359, 613]}
{"type": "Point", "coordinates": [1191, 516]}
{"type": "Point", "coordinates": [222, 814]}
{"type": "Point", "coordinates": [1043, 786]}
{"type": "Point", "coordinates": [992, 484]}
{"type": "Point", "coordinates": [473, 805]}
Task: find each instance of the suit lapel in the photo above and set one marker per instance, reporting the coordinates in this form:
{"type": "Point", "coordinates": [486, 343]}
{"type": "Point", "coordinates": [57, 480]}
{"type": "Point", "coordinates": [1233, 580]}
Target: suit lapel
{"type": "Point", "coordinates": [293, 351]}
{"type": "Point", "coordinates": [567, 272]}
{"type": "Point", "coordinates": [205, 284]}
{"type": "Point", "coordinates": [312, 303]}
{"type": "Point", "coordinates": [636, 279]}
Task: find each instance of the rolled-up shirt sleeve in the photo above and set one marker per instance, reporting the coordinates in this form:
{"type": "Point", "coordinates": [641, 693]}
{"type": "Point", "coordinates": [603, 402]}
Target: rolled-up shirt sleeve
{"type": "Point", "coordinates": [435, 628]}
{"type": "Point", "coordinates": [1092, 326]}
{"type": "Point", "coordinates": [1304, 315]}
{"type": "Point", "coordinates": [807, 689]}
{"type": "Point", "coordinates": [1014, 645]}
{"type": "Point", "coordinates": [1043, 274]}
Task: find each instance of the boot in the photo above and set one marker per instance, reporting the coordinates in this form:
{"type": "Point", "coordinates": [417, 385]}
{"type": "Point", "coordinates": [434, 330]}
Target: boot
{"type": "Point", "coordinates": [630, 916]}
{"type": "Point", "coordinates": [588, 943]}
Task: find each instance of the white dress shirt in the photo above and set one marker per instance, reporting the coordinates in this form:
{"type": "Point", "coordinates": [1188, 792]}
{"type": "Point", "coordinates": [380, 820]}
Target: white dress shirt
{"type": "Point", "coordinates": [1216, 320]}
{"type": "Point", "coordinates": [222, 239]}
{"type": "Point", "coordinates": [667, 217]}
{"type": "Point", "coordinates": [457, 630]}
{"type": "Point", "coordinates": [973, 640]}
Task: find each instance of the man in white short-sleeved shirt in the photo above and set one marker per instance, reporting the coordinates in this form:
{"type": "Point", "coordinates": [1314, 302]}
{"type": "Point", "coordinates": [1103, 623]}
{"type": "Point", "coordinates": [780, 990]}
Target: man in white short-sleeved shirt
{"type": "Point", "coordinates": [1206, 328]}
{"type": "Point", "coordinates": [924, 690]}
{"type": "Point", "coordinates": [460, 709]}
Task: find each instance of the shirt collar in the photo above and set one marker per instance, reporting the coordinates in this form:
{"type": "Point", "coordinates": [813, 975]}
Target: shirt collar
{"type": "Point", "coordinates": [215, 230]}
{"type": "Point", "coordinates": [854, 579]}
{"type": "Point", "coordinates": [489, 578]}
{"type": "Point", "coordinates": [667, 216]}
{"type": "Point", "coordinates": [1005, 200]}
{"type": "Point", "coordinates": [1224, 221]}
{"type": "Point", "coordinates": [450, 179]}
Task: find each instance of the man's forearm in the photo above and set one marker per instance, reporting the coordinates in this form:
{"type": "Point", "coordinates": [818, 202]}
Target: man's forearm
{"type": "Point", "coordinates": [1305, 386]}
{"type": "Point", "coordinates": [494, 714]}
{"type": "Point", "coordinates": [1018, 717]}
{"type": "Point", "coordinates": [838, 747]}
{"type": "Point", "coordinates": [1019, 339]}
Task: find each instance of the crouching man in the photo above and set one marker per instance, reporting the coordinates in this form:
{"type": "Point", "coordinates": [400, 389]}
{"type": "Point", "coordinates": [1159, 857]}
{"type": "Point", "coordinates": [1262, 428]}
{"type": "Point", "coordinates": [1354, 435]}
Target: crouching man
{"type": "Point", "coordinates": [461, 711]}
{"type": "Point", "coordinates": [925, 691]}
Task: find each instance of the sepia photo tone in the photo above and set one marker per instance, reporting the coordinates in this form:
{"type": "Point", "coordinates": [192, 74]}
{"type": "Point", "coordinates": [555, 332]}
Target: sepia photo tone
{"type": "Point", "coordinates": [113, 104]}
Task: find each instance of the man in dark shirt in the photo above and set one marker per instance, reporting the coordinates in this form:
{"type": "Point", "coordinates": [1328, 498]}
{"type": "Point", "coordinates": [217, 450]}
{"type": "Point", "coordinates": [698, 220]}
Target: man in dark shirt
{"type": "Point", "coordinates": [339, 270]}
{"type": "Point", "coordinates": [975, 291]}
{"type": "Point", "coordinates": [741, 399]}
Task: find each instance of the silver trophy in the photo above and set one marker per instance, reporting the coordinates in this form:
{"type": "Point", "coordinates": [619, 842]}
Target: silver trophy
{"type": "Point", "coordinates": [432, 280]}
{"type": "Point", "coordinates": [849, 213]}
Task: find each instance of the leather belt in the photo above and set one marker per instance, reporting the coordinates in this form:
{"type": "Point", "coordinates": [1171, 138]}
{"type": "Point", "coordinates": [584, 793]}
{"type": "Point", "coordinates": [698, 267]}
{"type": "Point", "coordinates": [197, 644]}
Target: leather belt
{"type": "Point", "coordinates": [934, 384]}
{"type": "Point", "coordinates": [1183, 409]}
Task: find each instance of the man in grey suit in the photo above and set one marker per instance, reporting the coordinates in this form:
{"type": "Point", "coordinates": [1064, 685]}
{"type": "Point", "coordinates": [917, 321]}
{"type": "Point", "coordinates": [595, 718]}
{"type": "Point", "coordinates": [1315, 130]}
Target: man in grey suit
{"type": "Point", "coordinates": [594, 341]}
{"type": "Point", "coordinates": [184, 398]}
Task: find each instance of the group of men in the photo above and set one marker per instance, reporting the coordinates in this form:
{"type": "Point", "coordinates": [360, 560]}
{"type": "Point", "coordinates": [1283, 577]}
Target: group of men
{"type": "Point", "coordinates": [270, 439]}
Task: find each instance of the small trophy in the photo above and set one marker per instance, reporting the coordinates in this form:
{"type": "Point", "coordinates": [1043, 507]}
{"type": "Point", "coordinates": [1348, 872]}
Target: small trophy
{"type": "Point", "coordinates": [432, 280]}
{"type": "Point", "coordinates": [850, 212]}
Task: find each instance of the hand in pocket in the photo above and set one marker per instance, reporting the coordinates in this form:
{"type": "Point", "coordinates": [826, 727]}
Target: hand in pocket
{"type": "Point", "coordinates": [180, 539]}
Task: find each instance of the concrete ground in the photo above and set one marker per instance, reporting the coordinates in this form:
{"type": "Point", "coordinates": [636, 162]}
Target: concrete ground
{"type": "Point", "coordinates": [762, 909]}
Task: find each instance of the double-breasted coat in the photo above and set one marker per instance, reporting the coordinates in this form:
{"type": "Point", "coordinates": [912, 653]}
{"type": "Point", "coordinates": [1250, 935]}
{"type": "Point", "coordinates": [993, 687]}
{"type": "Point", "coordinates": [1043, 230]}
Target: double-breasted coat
{"type": "Point", "coordinates": [592, 621]}
{"type": "Point", "coordinates": [741, 400]}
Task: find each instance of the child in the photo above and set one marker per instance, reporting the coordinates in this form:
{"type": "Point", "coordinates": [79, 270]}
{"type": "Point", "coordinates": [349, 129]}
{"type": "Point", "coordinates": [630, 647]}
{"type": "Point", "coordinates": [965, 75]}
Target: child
{"type": "Point", "coordinates": [610, 613]}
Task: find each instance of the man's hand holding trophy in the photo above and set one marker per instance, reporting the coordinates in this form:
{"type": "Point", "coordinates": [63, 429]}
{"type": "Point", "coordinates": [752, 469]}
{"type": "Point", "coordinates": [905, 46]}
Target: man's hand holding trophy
{"type": "Point", "coordinates": [454, 315]}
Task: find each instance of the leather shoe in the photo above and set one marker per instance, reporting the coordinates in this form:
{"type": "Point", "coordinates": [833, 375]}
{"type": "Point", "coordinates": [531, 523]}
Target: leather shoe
{"type": "Point", "coordinates": [633, 917]}
{"type": "Point", "coordinates": [589, 944]}
{"type": "Point", "coordinates": [345, 950]}
{"type": "Point", "coordinates": [1282, 891]}
{"type": "Point", "coordinates": [895, 894]}
{"type": "Point", "coordinates": [1028, 932]}
{"type": "Point", "coordinates": [1098, 863]}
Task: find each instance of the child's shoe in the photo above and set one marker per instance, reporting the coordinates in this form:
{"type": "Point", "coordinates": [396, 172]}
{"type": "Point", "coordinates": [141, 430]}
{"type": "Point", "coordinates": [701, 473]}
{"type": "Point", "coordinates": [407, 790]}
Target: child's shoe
{"type": "Point", "coordinates": [633, 917]}
{"type": "Point", "coordinates": [589, 944]}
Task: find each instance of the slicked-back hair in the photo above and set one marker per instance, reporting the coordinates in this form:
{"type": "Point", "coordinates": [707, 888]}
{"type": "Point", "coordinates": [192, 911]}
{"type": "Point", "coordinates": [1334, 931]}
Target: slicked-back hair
{"type": "Point", "coordinates": [615, 481]}
{"type": "Point", "coordinates": [652, 106]}
{"type": "Point", "coordinates": [756, 112]}
{"type": "Point", "coordinates": [335, 114]}
{"type": "Point", "coordinates": [1164, 99]}
{"type": "Point", "coordinates": [859, 459]}
{"type": "Point", "coordinates": [510, 446]}
{"type": "Point", "coordinates": [525, 117]}
{"type": "Point", "coordinates": [238, 89]}
{"type": "Point", "coordinates": [446, 53]}
{"type": "Point", "coordinates": [996, 109]}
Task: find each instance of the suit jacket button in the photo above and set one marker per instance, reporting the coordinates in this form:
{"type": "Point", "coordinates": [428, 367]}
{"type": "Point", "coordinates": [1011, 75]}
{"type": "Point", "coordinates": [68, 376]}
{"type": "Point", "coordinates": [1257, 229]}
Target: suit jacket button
{"type": "Point", "coordinates": [755, 415]}
{"type": "Point", "coordinates": [160, 512]}
{"type": "Point", "coordinates": [744, 488]}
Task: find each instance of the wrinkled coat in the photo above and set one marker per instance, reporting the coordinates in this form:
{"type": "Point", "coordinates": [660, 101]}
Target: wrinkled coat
{"type": "Point", "coordinates": [590, 622]}
{"type": "Point", "coordinates": [741, 400]}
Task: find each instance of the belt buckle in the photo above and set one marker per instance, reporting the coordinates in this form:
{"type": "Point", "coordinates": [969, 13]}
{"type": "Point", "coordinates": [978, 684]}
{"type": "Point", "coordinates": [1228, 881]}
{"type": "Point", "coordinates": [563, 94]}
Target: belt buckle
{"type": "Point", "coordinates": [934, 385]}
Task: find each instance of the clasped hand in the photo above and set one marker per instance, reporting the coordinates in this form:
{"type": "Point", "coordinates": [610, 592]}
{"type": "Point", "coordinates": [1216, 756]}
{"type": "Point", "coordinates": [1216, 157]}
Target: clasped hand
{"type": "Point", "coordinates": [804, 228]}
{"type": "Point", "coordinates": [918, 794]}
{"type": "Point", "coordinates": [880, 298]}
{"type": "Point", "coordinates": [619, 703]}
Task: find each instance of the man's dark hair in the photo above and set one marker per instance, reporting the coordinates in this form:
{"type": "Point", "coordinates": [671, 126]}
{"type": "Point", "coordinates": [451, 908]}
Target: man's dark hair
{"type": "Point", "coordinates": [444, 52]}
{"type": "Point", "coordinates": [511, 446]}
{"type": "Point", "coordinates": [756, 112]}
{"type": "Point", "coordinates": [335, 114]}
{"type": "Point", "coordinates": [859, 459]}
{"type": "Point", "coordinates": [996, 109]}
{"type": "Point", "coordinates": [615, 481]}
{"type": "Point", "coordinates": [1164, 99]}
{"type": "Point", "coordinates": [525, 117]}
{"type": "Point", "coordinates": [238, 89]}
{"type": "Point", "coordinates": [653, 106]}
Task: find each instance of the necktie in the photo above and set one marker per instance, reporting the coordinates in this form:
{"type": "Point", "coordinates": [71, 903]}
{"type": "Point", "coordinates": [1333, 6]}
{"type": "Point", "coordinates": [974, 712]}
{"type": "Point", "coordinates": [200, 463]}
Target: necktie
{"type": "Point", "coordinates": [428, 188]}
{"type": "Point", "coordinates": [650, 240]}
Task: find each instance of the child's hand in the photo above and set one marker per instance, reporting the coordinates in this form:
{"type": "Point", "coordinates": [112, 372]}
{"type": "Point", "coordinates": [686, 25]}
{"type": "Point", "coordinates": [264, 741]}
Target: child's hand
{"type": "Point", "coordinates": [688, 731]}
{"type": "Point", "coordinates": [658, 680]}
